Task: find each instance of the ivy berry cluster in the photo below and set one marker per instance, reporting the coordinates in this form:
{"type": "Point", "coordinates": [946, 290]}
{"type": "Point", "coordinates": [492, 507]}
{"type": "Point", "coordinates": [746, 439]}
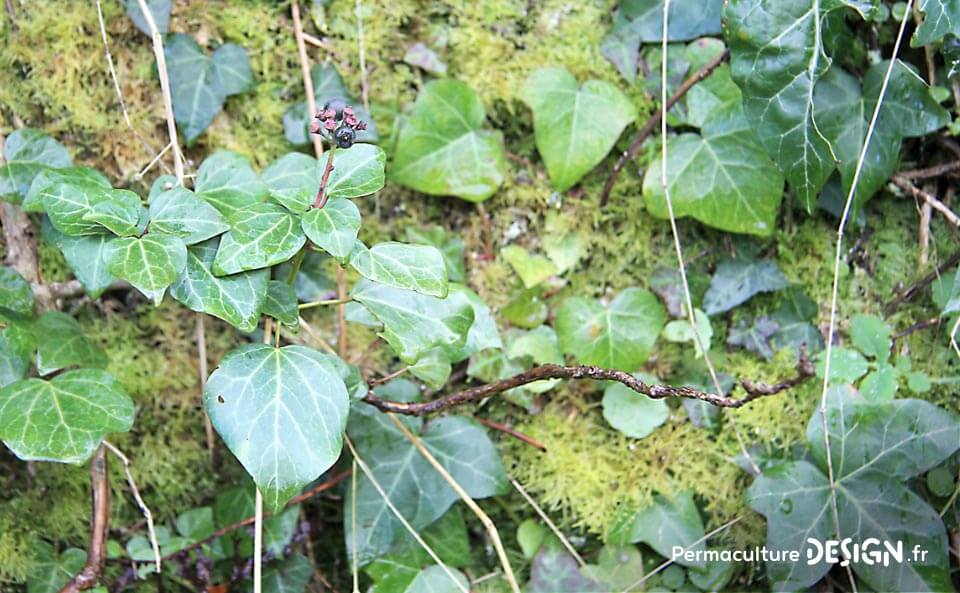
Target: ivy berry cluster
{"type": "Point", "coordinates": [339, 122]}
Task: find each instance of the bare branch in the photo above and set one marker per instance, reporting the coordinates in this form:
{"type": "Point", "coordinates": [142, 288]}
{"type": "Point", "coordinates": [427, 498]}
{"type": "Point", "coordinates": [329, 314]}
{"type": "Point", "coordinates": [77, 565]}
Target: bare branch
{"type": "Point", "coordinates": [905, 184]}
{"type": "Point", "coordinates": [89, 575]}
{"type": "Point", "coordinates": [144, 509]}
{"type": "Point", "coordinates": [921, 284]}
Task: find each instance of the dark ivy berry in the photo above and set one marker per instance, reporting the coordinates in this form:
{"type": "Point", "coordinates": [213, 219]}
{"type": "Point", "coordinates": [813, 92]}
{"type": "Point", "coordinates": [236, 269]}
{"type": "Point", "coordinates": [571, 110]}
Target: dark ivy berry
{"type": "Point", "coordinates": [344, 136]}
{"type": "Point", "coordinates": [336, 105]}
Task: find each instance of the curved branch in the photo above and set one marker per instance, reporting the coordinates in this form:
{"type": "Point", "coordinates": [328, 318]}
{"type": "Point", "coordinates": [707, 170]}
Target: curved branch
{"type": "Point", "coordinates": [553, 371]}
{"type": "Point", "coordinates": [89, 575]}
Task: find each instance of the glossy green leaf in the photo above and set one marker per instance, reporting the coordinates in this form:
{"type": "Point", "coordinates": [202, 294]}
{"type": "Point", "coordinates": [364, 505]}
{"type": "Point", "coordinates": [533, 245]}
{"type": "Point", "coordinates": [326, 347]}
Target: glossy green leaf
{"type": "Point", "coordinates": [16, 351]}
{"type": "Point", "coordinates": [680, 330]}
{"type": "Point", "coordinates": [334, 227]}
{"type": "Point", "coordinates": [415, 487]}
{"type": "Point", "coordinates": [738, 280]}
{"type": "Point", "coordinates": [357, 171]}
{"type": "Point", "coordinates": [199, 84]}
{"type": "Point", "coordinates": [533, 269]}
{"type": "Point", "coordinates": [294, 179]}
{"type": "Point", "coordinates": [483, 332]}
{"type": "Point", "coordinates": [527, 309]}
{"type": "Point", "coordinates": [327, 85]}
{"type": "Point", "coordinates": [159, 10]}
{"type": "Point", "coordinates": [433, 368]}
{"type": "Point", "coordinates": [290, 575]}
{"type": "Point", "coordinates": [16, 296]}
{"type": "Point", "coordinates": [443, 148]}
{"type": "Point", "coordinates": [776, 61]}
{"type": "Point", "coordinates": [237, 299]}
{"type": "Point", "coordinates": [846, 366]}
{"type": "Point", "coordinates": [400, 265]}
{"type": "Point", "coordinates": [620, 335]}
{"type": "Point", "coordinates": [152, 262]}
{"type": "Point", "coordinates": [28, 152]}
{"type": "Point", "coordinates": [880, 384]}
{"type": "Point", "coordinates": [871, 336]}
{"type": "Point", "coordinates": [794, 319]}
{"type": "Point", "coordinates": [51, 571]}
{"type": "Point", "coordinates": [939, 18]}
{"type": "Point", "coordinates": [722, 178]}
{"type": "Point", "coordinates": [282, 412]}
{"type": "Point", "coordinates": [663, 525]}
{"type": "Point", "coordinates": [261, 235]}
{"type": "Point", "coordinates": [414, 323]}
{"type": "Point", "coordinates": [228, 182]}
{"type": "Point", "coordinates": [632, 413]}
{"type": "Point", "coordinates": [86, 256]}
{"type": "Point", "coordinates": [179, 212]}
{"type": "Point", "coordinates": [61, 344]}
{"type": "Point", "coordinates": [63, 419]}
{"type": "Point", "coordinates": [571, 139]}
{"type": "Point", "coordinates": [434, 579]}
{"type": "Point", "coordinates": [79, 203]}
{"type": "Point", "coordinates": [451, 247]}
{"type": "Point", "coordinates": [281, 303]}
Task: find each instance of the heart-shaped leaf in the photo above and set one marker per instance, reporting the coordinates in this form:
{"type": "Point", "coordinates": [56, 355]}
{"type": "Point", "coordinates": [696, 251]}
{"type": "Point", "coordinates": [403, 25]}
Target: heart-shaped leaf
{"type": "Point", "coordinates": [451, 247]}
{"type": "Point", "coordinates": [632, 413]}
{"type": "Point", "coordinates": [16, 296]}
{"type": "Point", "coordinates": [414, 323]}
{"type": "Point", "coordinates": [532, 269]}
{"type": "Point", "coordinates": [411, 267]}
{"type": "Point", "coordinates": [85, 256]}
{"type": "Point", "coordinates": [333, 228]}
{"type": "Point", "coordinates": [940, 17]}
{"type": "Point", "coordinates": [179, 212]}
{"type": "Point", "coordinates": [63, 419]}
{"type": "Point", "coordinates": [571, 139]}
{"type": "Point", "coordinates": [27, 153]}
{"type": "Point", "coordinates": [737, 280]}
{"type": "Point", "coordinates": [228, 182]}
{"type": "Point", "coordinates": [199, 84]}
{"type": "Point", "coordinates": [662, 525]}
{"type": "Point", "coordinates": [327, 85]}
{"type": "Point", "coordinates": [281, 304]}
{"type": "Point", "coordinates": [80, 202]}
{"type": "Point", "coordinates": [619, 335]}
{"type": "Point", "coordinates": [282, 412]}
{"type": "Point", "coordinates": [159, 10]}
{"type": "Point", "coordinates": [237, 299]}
{"type": "Point", "coordinates": [294, 179]}
{"type": "Point", "coordinates": [262, 235]}
{"type": "Point", "coordinates": [150, 263]}
{"type": "Point", "coordinates": [52, 571]}
{"type": "Point", "coordinates": [443, 149]}
{"type": "Point", "coordinates": [61, 343]}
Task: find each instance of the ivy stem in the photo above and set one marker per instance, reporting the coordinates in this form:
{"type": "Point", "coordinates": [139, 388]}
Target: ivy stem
{"type": "Point", "coordinates": [296, 264]}
{"type": "Point", "coordinates": [322, 196]}
{"type": "Point", "coordinates": [325, 302]}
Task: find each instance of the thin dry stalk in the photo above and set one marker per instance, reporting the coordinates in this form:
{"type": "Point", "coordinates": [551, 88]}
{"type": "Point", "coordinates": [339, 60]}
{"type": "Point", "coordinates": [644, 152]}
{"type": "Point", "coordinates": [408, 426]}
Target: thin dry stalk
{"type": "Point", "coordinates": [307, 80]}
{"type": "Point", "coordinates": [553, 527]}
{"type": "Point", "coordinates": [144, 509]}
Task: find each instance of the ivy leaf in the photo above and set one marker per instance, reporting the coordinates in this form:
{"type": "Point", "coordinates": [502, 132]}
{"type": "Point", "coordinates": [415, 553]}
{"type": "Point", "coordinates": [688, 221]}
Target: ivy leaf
{"type": "Point", "coordinates": [281, 304]}
{"type": "Point", "coordinates": [302, 402]}
{"type": "Point", "coordinates": [570, 138]}
{"type": "Point", "coordinates": [433, 368]}
{"type": "Point", "coordinates": [754, 336]}
{"type": "Point", "coordinates": [483, 332]}
{"type": "Point", "coordinates": [290, 575]}
{"type": "Point", "coordinates": [63, 419]}
{"type": "Point", "coordinates": [532, 269]}
{"type": "Point", "coordinates": [28, 152]}
{"type": "Point", "coordinates": [434, 579]}
{"type": "Point", "coordinates": [620, 335]}
{"type": "Point", "coordinates": [262, 235]}
{"type": "Point", "coordinates": [940, 17]}
{"type": "Point", "coordinates": [738, 280]}
{"type": "Point", "coordinates": [237, 299]}
{"type": "Point", "coordinates": [327, 85]}
{"type": "Point", "coordinates": [554, 570]}
{"type": "Point", "coordinates": [450, 247]}
{"type": "Point", "coordinates": [179, 212]}
{"type": "Point", "coordinates": [16, 350]}
{"type": "Point", "coordinates": [871, 336]}
{"type": "Point", "coordinates": [881, 384]}
{"type": "Point", "coordinates": [227, 181]}
{"type": "Point", "coordinates": [411, 483]}
{"type": "Point", "coordinates": [846, 366]}
{"type": "Point", "coordinates": [357, 171]}
{"type": "Point", "coordinates": [663, 525]}
{"type": "Point", "coordinates": [680, 330]}
{"type": "Point", "coordinates": [410, 267]}
{"type": "Point", "coordinates": [51, 571]}
{"type": "Point", "coordinates": [776, 62]}
{"type": "Point", "coordinates": [334, 227]}
{"type": "Point", "coordinates": [618, 567]}
{"type": "Point", "coordinates": [16, 296]}
{"type": "Point", "coordinates": [86, 258]}
{"type": "Point", "coordinates": [159, 10]}
{"type": "Point", "coordinates": [199, 84]}
{"type": "Point", "coordinates": [79, 203]}
{"type": "Point", "coordinates": [794, 318]}
{"type": "Point", "coordinates": [414, 323]}
{"type": "Point", "coordinates": [61, 343]}
{"type": "Point", "coordinates": [722, 178]}
{"type": "Point", "coordinates": [150, 263]}
{"type": "Point", "coordinates": [294, 179]}
{"type": "Point", "coordinates": [443, 148]}
{"type": "Point", "coordinates": [632, 413]}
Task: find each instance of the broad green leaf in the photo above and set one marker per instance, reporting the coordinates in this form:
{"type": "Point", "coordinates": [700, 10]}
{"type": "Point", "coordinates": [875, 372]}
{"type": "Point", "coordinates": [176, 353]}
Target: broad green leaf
{"type": "Point", "coordinates": [570, 137]}
{"type": "Point", "coordinates": [28, 152]}
{"type": "Point", "coordinates": [414, 323]}
{"type": "Point", "coordinates": [334, 227]}
{"type": "Point", "coordinates": [393, 572]}
{"type": "Point", "coordinates": [61, 343]}
{"type": "Point", "coordinates": [357, 171]}
{"type": "Point", "coordinates": [794, 319]}
{"type": "Point", "coordinates": [238, 503]}
{"type": "Point", "coordinates": [754, 335]}
{"type": "Point", "coordinates": [722, 178]}
{"type": "Point", "coordinates": [86, 257]}
{"type": "Point", "coordinates": [776, 61]}
{"type": "Point", "coordinates": [281, 303]}
{"type": "Point", "coordinates": [199, 84]}
{"type": "Point", "coordinates": [261, 235]}
{"type": "Point", "coordinates": [294, 179]}
{"type": "Point", "coordinates": [526, 309]}
{"type": "Point", "coordinates": [411, 483]}
{"type": "Point", "coordinates": [846, 366]}
{"type": "Point", "coordinates": [16, 350]}
{"type": "Point", "coordinates": [33, 202]}
{"type": "Point", "coordinates": [532, 269]}
{"type": "Point", "coordinates": [228, 183]}
{"type": "Point", "coordinates": [410, 267]}
{"type": "Point", "coordinates": [152, 262]}
{"type": "Point", "coordinates": [939, 18]}
{"type": "Point", "coordinates": [880, 384]}
{"type": "Point", "coordinates": [443, 148]}
{"type": "Point", "coordinates": [196, 524]}
{"type": "Point", "coordinates": [554, 570]}
{"type": "Point", "coordinates": [327, 85]}
{"type": "Point", "coordinates": [908, 104]}
{"type": "Point", "coordinates": [434, 579]}
{"type": "Point", "coordinates": [282, 412]}
{"type": "Point", "coordinates": [632, 413]}
{"type": "Point", "coordinates": [159, 10]}
{"type": "Point", "coordinates": [51, 571]}
{"type": "Point", "coordinates": [78, 203]}
{"type": "Point", "coordinates": [237, 299]}
{"type": "Point", "coordinates": [179, 212]}
{"type": "Point", "coordinates": [680, 330]}
{"type": "Point", "coordinates": [737, 280]}
{"type": "Point", "coordinates": [871, 336]}
{"type": "Point", "coordinates": [63, 419]}
{"type": "Point", "coordinates": [531, 535]}
{"type": "Point", "coordinates": [618, 567]}
{"type": "Point", "coordinates": [290, 575]}
{"type": "Point", "coordinates": [483, 332]}
{"type": "Point", "coordinates": [620, 335]}
{"type": "Point", "coordinates": [120, 214]}
{"type": "Point", "coordinates": [433, 368]}
{"type": "Point", "coordinates": [16, 296]}
{"type": "Point", "coordinates": [662, 525]}
{"type": "Point", "coordinates": [715, 94]}
{"type": "Point", "coordinates": [535, 347]}
{"type": "Point", "coordinates": [450, 247]}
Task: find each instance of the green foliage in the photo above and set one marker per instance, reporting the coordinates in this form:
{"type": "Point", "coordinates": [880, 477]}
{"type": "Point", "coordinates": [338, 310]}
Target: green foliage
{"type": "Point", "coordinates": [28, 152]}
{"type": "Point", "coordinates": [16, 296]}
{"type": "Point", "coordinates": [738, 280]}
{"type": "Point", "coordinates": [632, 413]}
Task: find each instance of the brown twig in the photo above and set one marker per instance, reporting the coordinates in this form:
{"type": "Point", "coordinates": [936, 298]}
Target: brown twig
{"type": "Point", "coordinates": [920, 325]}
{"type": "Point", "coordinates": [307, 80]}
{"type": "Point", "coordinates": [927, 197]}
{"type": "Point", "coordinates": [805, 370]}
{"type": "Point", "coordinates": [512, 432]}
{"type": "Point", "coordinates": [89, 575]}
{"type": "Point", "coordinates": [921, 284]}
{"type": "Point", "coordinates": [651, 124]}
{"type": "Point", "coordinates": [934, 171]}
{"type": "Point", "coordinates": [387, 378]}
{"type": "Point", "coordinates": [553, 371]}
